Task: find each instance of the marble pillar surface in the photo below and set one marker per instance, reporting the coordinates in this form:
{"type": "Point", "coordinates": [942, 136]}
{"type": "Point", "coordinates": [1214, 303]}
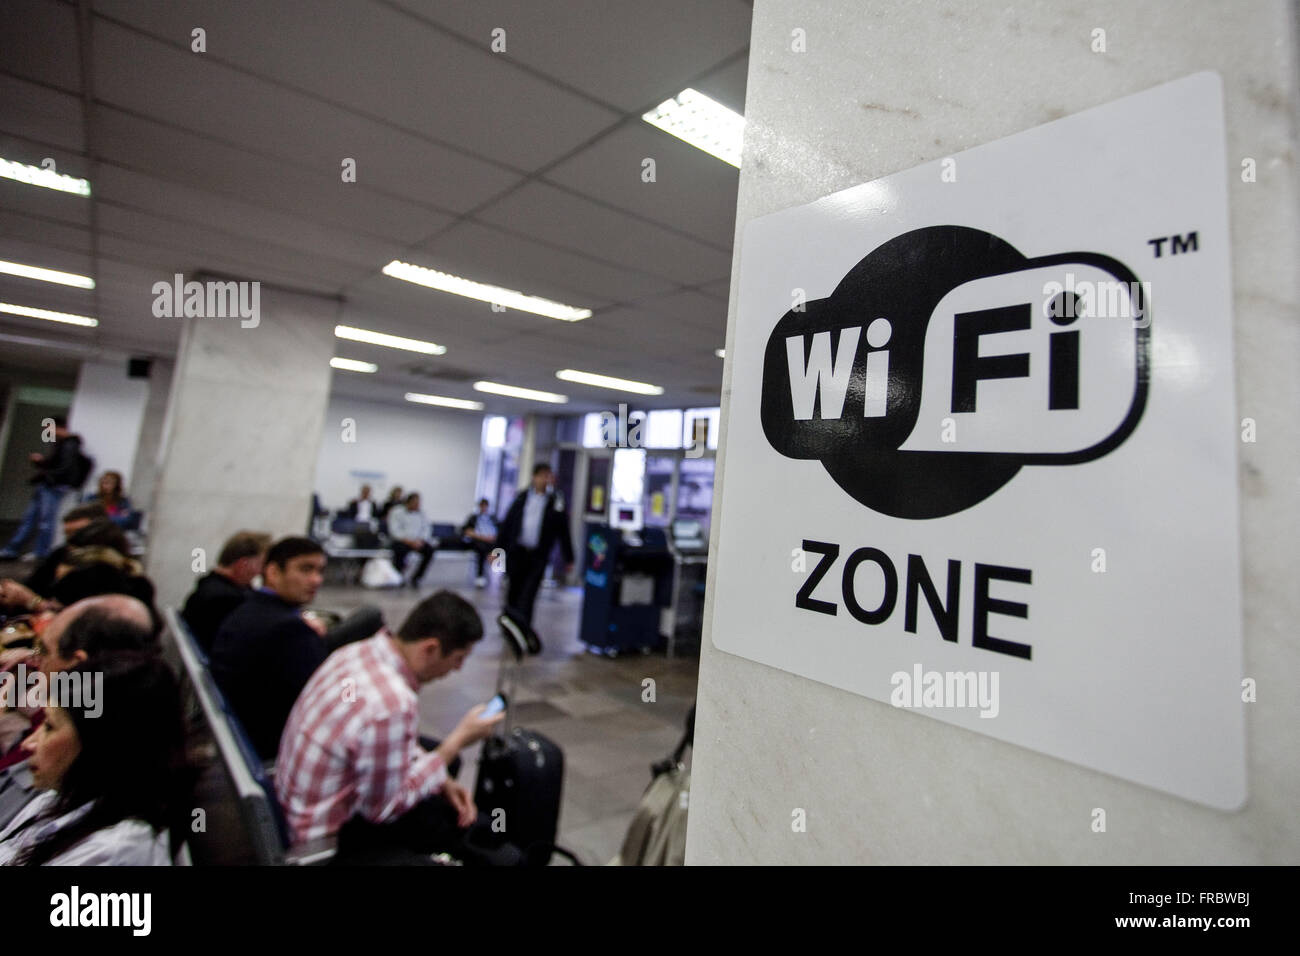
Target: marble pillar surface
{"type": "Point", "coordinates": [144, 471]}
{"type": "Point", "coordinates": [884, 86]}
{"type": "Point", "coordinates": [242, 433]}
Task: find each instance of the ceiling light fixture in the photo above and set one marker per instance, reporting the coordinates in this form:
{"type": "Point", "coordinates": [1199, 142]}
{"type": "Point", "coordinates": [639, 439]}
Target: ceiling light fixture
{"type": "Point", "coordinates": [720, 353]}
{"type": "Point", "coordinates": [352, 365]}
{"type": "Point", "coordinates": [511, 391]}
{"type": "Point", "coordinates": [703, 122]}
{"type": "Point", "coordinates": [606, 381]}
{"type": "Point", "coordinates": [445, 282]}
{"type": "Point", "coordinates": [387, 341]}
{"type": "Point", "coordinates": [47, 275]}
{"type": "Point", "coordinates": [40, 176]}
{"type": "Point", "coordinates": [31, 313]}
{"type": "Point", "coordinates": [445, 402]}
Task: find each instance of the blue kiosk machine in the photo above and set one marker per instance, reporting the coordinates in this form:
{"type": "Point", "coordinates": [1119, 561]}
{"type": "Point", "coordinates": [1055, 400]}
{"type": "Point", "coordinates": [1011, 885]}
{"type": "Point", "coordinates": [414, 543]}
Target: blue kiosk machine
{"type": "Point", "coordinates": [627, 582]}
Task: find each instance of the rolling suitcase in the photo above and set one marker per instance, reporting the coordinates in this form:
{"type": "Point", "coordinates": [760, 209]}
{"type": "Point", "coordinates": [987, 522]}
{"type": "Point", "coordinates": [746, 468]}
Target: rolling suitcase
{"type": "Point", "coordinates": [521, 772]}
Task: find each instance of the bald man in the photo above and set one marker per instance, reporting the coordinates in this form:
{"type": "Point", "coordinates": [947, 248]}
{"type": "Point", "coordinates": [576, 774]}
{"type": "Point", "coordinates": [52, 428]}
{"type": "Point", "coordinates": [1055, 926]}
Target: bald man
{"type": "Point", "coordinates": [87, 629]}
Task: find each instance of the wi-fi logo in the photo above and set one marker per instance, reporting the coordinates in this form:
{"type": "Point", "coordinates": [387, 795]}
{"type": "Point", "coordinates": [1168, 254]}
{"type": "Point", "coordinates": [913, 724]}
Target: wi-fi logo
{"type": "Point", "coordinates": [946, 360]}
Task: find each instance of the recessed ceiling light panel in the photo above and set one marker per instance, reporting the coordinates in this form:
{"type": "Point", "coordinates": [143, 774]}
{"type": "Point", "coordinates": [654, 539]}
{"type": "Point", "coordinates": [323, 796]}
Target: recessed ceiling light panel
{"type": "Point", "coordinates": [703, 122]}
{"type": "Point", "coordinates": [445, 282]}
{"type": "Point", "coordinates": [512, 391]}
{"type": "Point", "coordinates": [608, 381]}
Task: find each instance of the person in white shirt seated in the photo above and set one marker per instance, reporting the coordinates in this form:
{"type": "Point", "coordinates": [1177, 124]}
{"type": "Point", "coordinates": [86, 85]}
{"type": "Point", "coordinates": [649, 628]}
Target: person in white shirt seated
{"type": "Point", "coordinates": [113, 770]}
{"type": "Point", "coordinates": [409, 531]}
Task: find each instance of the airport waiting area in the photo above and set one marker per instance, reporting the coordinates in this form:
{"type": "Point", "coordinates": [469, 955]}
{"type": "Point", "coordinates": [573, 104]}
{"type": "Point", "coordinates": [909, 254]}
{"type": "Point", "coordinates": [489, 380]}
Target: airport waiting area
{"type": "Point", "coordinates": [515, 434]}
{"type": "Point", "coordinates": [588, 670]}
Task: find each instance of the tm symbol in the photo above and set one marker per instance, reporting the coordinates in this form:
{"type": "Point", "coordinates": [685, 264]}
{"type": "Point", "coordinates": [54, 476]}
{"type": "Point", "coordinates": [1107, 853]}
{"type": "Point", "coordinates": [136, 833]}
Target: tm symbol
{"type": "Point", "coordinates": [1178, 245]}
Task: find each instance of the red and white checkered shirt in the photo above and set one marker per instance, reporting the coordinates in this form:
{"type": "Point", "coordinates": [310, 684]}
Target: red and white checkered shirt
{"type": "Point", "coordinates": [351, 744]}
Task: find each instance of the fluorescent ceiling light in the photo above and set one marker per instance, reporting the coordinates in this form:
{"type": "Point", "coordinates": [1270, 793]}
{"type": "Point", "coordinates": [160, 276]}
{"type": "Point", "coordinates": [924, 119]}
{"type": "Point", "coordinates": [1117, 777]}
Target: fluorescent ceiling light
{"type": "Point", "coordinates": [606, 381]}
{"type": "Point", "coordinates": [445, 402]}
{"type": "Point", "coordinates": [703, 122]}
{"type": "Point", "coordinates": [31, 313]}
{"type": "Point", "coordinates": [510, 391]}
{"type": "Point", "coordinates": [352, 365]}
{"type": "Point", "coordinates": [388, 341]}
{"type": "Point", "coordinates": [47, 275]}
{"type": "Point", "coordinates": [40, 176]}
{"type": "Point", "coordinates": [720, 353]}
{"type": "Point", "coordinates": [509, 298]}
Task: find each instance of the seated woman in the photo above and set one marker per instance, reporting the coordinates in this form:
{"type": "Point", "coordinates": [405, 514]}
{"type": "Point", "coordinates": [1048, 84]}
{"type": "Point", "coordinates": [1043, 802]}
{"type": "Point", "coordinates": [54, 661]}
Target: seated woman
{"type": "Point", "coordinates": [116, 781]}
{"type": "Point", "coordinates": [114, 501]}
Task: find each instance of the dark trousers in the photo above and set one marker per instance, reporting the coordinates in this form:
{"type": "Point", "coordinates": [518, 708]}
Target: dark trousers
{"type": "Point", "coordinates": [411, 840]}
{"type": "Point", "coordinates": [526, 567]}
{"type": "Point", "coordinates": [481, 550]}
{"type": "Point", "coordinates": [427, 828]}
{"type": "Point", "coordinates": [401, 550]}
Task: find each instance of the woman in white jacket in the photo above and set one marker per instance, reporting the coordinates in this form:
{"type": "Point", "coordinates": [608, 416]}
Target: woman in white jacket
{"type": "Point", "coordinates": [115, 779]}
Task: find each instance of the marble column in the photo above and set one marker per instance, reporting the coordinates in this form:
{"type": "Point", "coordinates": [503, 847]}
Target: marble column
{"type": "Point", "coordinates": [842, 93]}
{"type": "Point", "coordinates": [242, 434]}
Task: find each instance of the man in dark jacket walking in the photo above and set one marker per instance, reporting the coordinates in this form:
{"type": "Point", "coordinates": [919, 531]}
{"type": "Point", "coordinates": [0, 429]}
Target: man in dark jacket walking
{"type": "Point", "coordinates": [534, 523]}
{"type": "Point", "coordinates": [57, 471]}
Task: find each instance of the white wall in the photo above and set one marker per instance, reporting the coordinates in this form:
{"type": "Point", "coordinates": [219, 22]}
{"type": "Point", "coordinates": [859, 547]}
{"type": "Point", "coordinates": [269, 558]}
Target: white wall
{"type": "Point", "coordinates": [107, 409]}
{"type": "Point", "coordinates": [429, 450]}
{"type": "Point", "coordinates": [882, 88]}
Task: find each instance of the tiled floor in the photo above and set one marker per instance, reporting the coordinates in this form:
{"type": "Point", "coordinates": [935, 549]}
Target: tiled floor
{"type": "Point", "coordinates": [588, 704]}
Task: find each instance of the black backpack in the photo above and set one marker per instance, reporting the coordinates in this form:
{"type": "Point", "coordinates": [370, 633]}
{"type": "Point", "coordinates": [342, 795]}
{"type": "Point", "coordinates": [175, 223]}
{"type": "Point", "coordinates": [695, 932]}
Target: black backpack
{"type": "Point", "coordinates": [84, 466]}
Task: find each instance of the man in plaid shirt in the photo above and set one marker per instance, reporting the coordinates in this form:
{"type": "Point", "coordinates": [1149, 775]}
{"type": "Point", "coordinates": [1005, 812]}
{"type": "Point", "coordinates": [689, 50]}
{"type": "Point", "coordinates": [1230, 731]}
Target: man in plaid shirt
{"type": "Point", "coordinates": [350, 753]}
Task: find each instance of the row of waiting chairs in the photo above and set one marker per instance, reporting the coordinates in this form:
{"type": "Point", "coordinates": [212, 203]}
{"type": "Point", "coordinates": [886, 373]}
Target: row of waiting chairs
{"type": "Point", "coordinates": [260, 818]}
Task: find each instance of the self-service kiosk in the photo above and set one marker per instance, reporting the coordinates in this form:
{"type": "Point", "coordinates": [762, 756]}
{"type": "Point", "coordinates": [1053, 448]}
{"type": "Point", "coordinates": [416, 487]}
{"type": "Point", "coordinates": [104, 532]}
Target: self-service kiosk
{"type": "Point", "coordinates": [627, 582]}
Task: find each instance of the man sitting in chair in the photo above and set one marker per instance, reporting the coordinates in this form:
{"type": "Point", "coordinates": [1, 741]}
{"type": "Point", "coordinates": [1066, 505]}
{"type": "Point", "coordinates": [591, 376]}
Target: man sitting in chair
{"type": "Point", "coordinates": [350, 760]}
{"type": "Point", "coordinates": [409, 530]}
{"type": "Point", "coordinates": [480, 530]}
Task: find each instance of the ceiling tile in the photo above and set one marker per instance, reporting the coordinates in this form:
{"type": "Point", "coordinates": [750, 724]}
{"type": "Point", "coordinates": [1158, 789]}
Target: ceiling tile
{"type": "Point", "coordinates": [493, 255]}
{"type": "Point", "coordinates": [632, 55]}
{"type": "Point", "coordinates": [215, 168]}
{"type": "Point", "coordinates": [134, 190]}
{"type": "Point", "coordinates": [38, 41]}
{"type": "Point", "coordinates": [692, 190]}
{"type": "Point", "coordinates": [44, 205]}
{"type": "Point", "coordinates": [39, 116]}
{"type": "Point", "coordinates": [19, 225]}
{"type": "Point", "coordinates": [554, 215]}
{"type": "Point", "coordinates": [378, 60]}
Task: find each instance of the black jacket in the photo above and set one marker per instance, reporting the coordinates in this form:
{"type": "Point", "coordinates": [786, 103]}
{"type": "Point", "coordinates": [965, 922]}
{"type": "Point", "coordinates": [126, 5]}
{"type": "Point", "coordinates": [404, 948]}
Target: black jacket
{"type": "Point", "coordinates": [209, 604]}
{"type": "Point", "coordinates": [555, 526]}
{"type": "Point", "coordinates": [41, 580]}
{"type": "Point", "coordinates": [262, 657]}
{"type": "Point", "coordinates": [60, 464]}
